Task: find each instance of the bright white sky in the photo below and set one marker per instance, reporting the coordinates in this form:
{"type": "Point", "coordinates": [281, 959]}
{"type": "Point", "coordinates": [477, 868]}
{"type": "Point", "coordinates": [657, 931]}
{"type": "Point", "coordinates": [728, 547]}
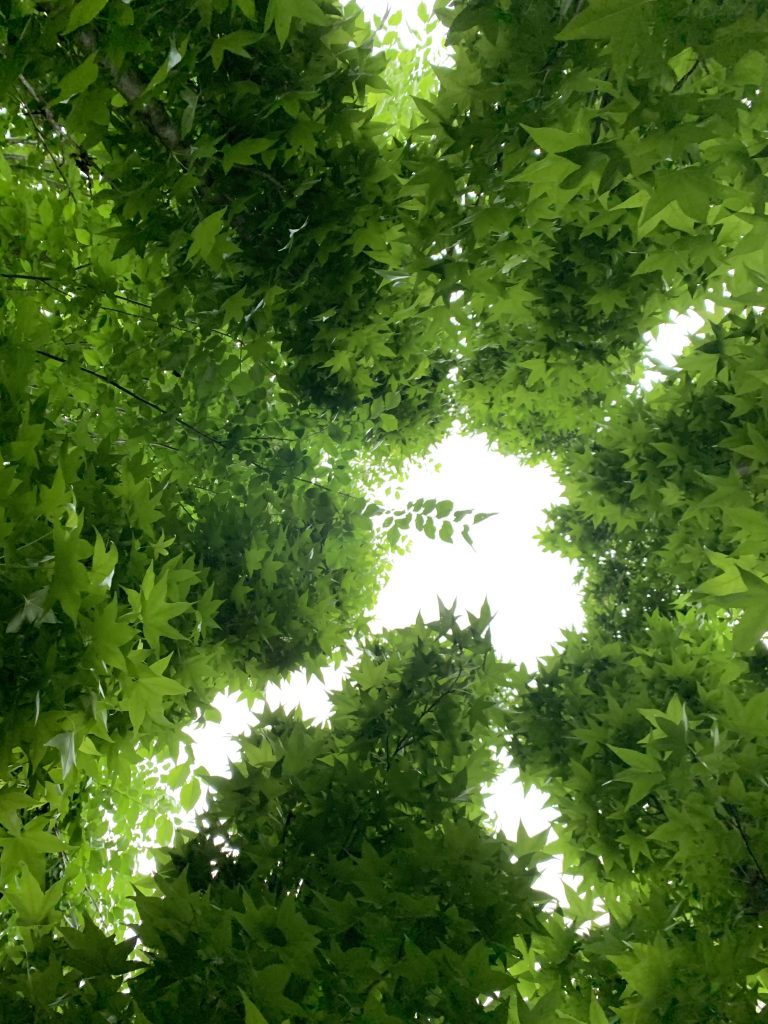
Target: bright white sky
{"type": "Point", "coordinates": [411, 29]}
{"type": "Point", "coordinates": [531, 592]}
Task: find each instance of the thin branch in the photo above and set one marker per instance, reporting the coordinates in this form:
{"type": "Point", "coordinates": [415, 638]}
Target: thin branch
{"type": "Point", "coordinates": [60, 291]}
{"type": "Point", "coordinates": [139, 398]}
{"type": "Point", "coordinates": [20, 162]}
{"type": "Point", "coordinates": [151, 316]}
{"type": "Point", "coordinates": [681, 81]}
{"type": "Point", "coordinates": [278, 874]}
{"type": "Point", "coordinates": [27, 277]}
{"type": "Point", "coordinates": [733, 814]}
{"type": "Point", "coordinates": [270, 177]}
{"type": "Point", "coordinates": [136, 302]}
{"type": "Point", "coordinates": [29, 544]}
{"type": "Point", "coordinates": [41, 137]}
{"type": "Point", "coordinates": [45, 110]}
{"type": "Point", "coordinates": [453, 688]}
{"type": "Point", "coordinates": [48, 281]}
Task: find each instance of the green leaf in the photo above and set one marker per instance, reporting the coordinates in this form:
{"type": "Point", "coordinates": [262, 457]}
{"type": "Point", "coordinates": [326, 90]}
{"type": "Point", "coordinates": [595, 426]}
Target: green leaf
{"type": "Point", "coordinates": [687, 187]}
{"type": "Point", "coordinates": [234, 42]}
{"type": "Point", "coordinates": [253, 1014]}
{"type": "Point", "coordinates": [29, 847]}
{"type": "Point", "coordinates": [248, 8]}
{"type": "Point", "coordinates": [35, 610]}
{"type": "Point", "coordinates": [83, 13]}
{"type": "Point", "coordinates": [281, 13]}
{"type": "Point", "coordinates": [155, 609]}
{"type": "Point", "coordinates": [178, 776]}
{"type": "Point", "coordinates": [145, 695]}
{"type": "Point", "coordinates": [728, 584]}
{"type": "Point", "coordinates": [108, 636]}
{"type": "Point", "coordinates": [556, 140]}
{"type": "Point", "coordinates": [483, 620]}
{"type": "Point", "coordinates": [95, 954]}
{"type": "Point", "coordinates": [641, 784]}
{"type": "Point", "coordinates": [78, 80]}
{"type": "Point", "coordinates": [174, 58]}
{"type": "Point", "coordinates": [753, 624]}
{"type": "Point", "coordinates": [103, 563]}
{"type": "Point", "coordinates": [604, 19]}
{"type": "Point", "coordinates": [32, 904]}
{"type": "Point", "coordinates": [70, 578]}
{"type": "Point", "coordinates": [636, 759]}
{"type": "Point", "coordinates": [242, 153]}
{"type": "Point", "coordinates": [205, 234]}
{"type": "Point", "coordinates": [190, 794]}
{"type": "Point", "coordinates": [64, 742]}
{"type": "Point", "coordinates": [188, 115]}
{"type": "Point", "coordinates": [13, 800]}
{"type": "Point", "coordinates": [596, 1014]}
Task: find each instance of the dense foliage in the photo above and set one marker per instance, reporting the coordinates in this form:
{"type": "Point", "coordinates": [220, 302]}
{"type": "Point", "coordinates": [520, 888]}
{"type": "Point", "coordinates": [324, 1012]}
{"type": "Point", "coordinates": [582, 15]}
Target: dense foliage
{"type": "Point", "coordinates": [244, 277]}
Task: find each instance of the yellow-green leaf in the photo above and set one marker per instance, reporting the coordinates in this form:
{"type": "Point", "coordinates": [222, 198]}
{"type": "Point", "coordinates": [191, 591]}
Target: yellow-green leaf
{"type": "Point", "coordinates": [233, 42]}
{"type": "Point", "coordinates": [253, 1014]}
{"type": "Point", "coordinates": [242, 153]}
{"type": "Point", "coordinates": [281, 13]}
{"type": "Point", "coordinates": [204, 235]}
{"type": "Point", "coordinates": [84, 12]}
{"type": "Point", "coordinates": [78, 79]}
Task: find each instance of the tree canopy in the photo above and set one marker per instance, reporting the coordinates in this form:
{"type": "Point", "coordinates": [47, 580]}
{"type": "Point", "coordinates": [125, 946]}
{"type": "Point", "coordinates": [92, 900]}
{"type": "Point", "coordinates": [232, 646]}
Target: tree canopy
{"type": "Point", "coordinates": [254, 260]}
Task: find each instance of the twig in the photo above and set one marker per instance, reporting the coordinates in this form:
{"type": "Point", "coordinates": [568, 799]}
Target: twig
{"type": "Point", "coordinates": [139, 398]}
{"type": "Point", "coordinates": [20, 162]}
{"type": "Point", "coordinates": [43, 143]}
{"type": "Point", "coordinates": [277, 876]}
{"type": "Point", "coordinates": [27, 277]}
{"type": "Point", "coordinates": [151, 316]}
{"type": "Point", "coordinates": [124, 312]}
{"type": "Point", "coordinates": [453, 688]}
{"type": "Point", "coordinates": [733, 814]}
{"type": "Point", "coordinates": [681, 81]}
{"type": "Point", "coordinates": [46, 111]}
{"type": "Point", "coordinates": [29, 544]}
{"type": "Point", "coordinates": [268, 176]}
